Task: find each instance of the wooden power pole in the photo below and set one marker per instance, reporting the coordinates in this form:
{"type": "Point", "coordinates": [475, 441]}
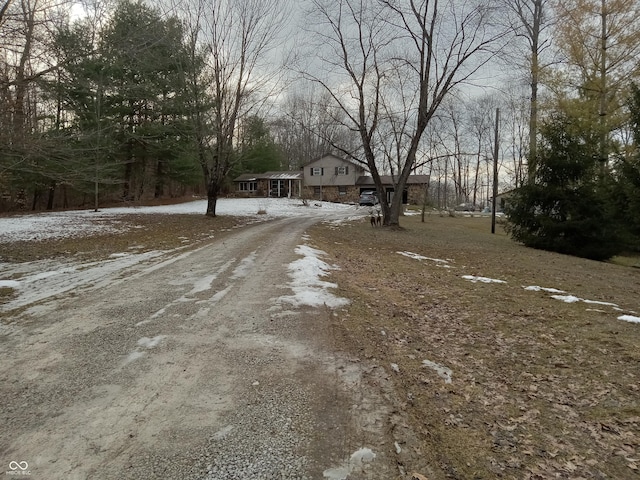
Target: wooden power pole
{"type": "Point", "coordinates": [495, 174]}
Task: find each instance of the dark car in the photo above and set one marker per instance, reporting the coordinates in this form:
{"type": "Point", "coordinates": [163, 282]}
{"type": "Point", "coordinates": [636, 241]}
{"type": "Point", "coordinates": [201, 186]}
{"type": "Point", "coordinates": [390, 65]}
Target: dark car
{"type": "Point", "coordinates": [368, 198]}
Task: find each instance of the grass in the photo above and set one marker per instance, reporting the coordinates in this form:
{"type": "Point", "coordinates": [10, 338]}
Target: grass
{"type": "Point", "coordinates": [541, 388]}
{"type": "Point", "coordinates": [142, 232]}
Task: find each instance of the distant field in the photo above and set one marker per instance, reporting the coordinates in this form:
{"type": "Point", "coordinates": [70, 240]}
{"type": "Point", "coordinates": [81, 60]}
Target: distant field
{"type": "Point", "coordinates": [540, 388]}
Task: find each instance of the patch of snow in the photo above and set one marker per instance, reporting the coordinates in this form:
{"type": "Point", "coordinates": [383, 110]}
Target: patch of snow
{"type": "Point", "coordinates": [307, 287]}
{"type": "Point", "coordinates": [574, 299]}
{"type": "Point", "coordinates": [136, 354]}
{"type": "Point", "coordinates": [244, 268]}
{"type": "Point", "coordinates": [220, 295]}
{"type": "Point", "coordinates": [629, 318]}
{"type": "Point", "coordinates": [421, 257]}
{"type": "Point", "coordinates": [535, 288]}
{"type": "Point", "coordinates": [9, 284]}
{"type": "Point", "coordinates": [566, 298]}
{"type": "Point", "coordinates": [151, 342]}
{"type": "Point", "coordinates": [43, 279]}
{"type": "Point", "coordinates": [395, 367]}
{"type": "Point", "coordinates": [415, 256]}
{"type": "Point", "coordinates": [78, 223]}
{"type": "Point", "coordinates": [475, 279]}
{"type": "Point", "coordinates": [363, 455]}
{"type": "Point", "coordinates": [596, 302]}
{"type": "Point", "coordinates": [340, 473]}
{"type": "Point", "coordinates": [202, 284]}
{"type": "Point", "coordinates": [442, 371]}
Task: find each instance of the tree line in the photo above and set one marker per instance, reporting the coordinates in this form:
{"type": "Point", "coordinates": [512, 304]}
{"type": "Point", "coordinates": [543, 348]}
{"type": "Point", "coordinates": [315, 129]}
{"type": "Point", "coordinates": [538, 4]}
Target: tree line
{"type": "Point", "coordinates": [127, 101]}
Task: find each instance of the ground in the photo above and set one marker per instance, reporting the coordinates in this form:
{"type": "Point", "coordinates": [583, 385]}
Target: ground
{"type": "Point", "coordinates": [450, 360]}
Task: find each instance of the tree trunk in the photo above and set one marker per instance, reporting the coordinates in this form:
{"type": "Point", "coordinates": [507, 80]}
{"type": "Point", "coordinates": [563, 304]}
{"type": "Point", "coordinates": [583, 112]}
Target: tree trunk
{"type": "Point", "coordinates": [213, 190]}
{"type": "Point", "coordinates": [52, 192]}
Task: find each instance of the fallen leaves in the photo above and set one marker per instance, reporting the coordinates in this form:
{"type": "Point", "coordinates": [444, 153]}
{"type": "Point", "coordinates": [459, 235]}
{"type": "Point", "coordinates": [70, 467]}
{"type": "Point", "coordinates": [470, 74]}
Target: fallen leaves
{"type": "Point", "coordinates": [541, 390]}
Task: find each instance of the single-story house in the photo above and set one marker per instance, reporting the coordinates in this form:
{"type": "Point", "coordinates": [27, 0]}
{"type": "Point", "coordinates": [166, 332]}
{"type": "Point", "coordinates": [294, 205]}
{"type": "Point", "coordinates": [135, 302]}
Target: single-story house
{"type": "Point", "coordinates": [269, 184]}
{"type": "Point", "coordinates": [503, 199]}
{"type": "Point", "coordinates": [329, 178]}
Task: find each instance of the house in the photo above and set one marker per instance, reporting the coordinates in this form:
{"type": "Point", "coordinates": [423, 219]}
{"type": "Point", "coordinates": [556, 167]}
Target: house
{"type": "Point", "coordinates": [333, 179]}
{"type": "Point", "coordinates": [269, 184]}
{"type": "Point", "coordinates": [503, 199]}
{"type": "Point", "coordinates": [328, 178]}
{"type": "Point", "coordinates": [414, 190]}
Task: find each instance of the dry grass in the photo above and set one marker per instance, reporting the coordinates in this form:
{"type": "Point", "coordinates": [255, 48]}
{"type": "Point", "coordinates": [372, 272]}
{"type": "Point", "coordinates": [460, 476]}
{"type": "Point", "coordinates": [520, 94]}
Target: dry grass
{"type": "Point", "coordinates": [541, 388]}
{"type": "Point", "coordinates": [145, 232]}
{"type": "Point", "coordinates": [140, 232]}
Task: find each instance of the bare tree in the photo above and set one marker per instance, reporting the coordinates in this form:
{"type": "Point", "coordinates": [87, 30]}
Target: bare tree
{"type": "Point", "coordinates": [516, 124]}
{"type": "Point", "coordinates": [26, 39]}
{"type": "Point", "coordinates": [417, 52]}
{"type": "Point", "coordinates": [307, 128]}
{"type": "Point", "coordinates": [531, 20]}
{"type": "Point", "coordinates": [240, 38]}
{"type": "Point", "coordinates": [480, 122]}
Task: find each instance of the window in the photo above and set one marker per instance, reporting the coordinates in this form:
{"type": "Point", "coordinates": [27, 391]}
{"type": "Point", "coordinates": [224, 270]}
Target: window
{"type": "Point", "coordinates": [316, 171]}
{"type": "Point", "coordinates": [344, 170]}
{"type": "Point", "coordinates": [342, 190]}
{"type": "Point", "coordinates": [248, 186]}
{"type": "Point", "coordinates": [317, 190]}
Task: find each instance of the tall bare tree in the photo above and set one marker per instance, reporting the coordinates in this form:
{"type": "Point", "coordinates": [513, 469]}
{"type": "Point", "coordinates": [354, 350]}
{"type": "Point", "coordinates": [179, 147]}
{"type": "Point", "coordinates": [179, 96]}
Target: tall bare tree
{"type": "Point", "coordinates": [26, 39]}
{"type": "Point", "coordinates": [240, 39]}
{"type": "Point", "coordinates": [306, 127]}
{"type": "Point", "coordinates": [416, 51]}
{"type": "Point", "coordinates": [531, 21]}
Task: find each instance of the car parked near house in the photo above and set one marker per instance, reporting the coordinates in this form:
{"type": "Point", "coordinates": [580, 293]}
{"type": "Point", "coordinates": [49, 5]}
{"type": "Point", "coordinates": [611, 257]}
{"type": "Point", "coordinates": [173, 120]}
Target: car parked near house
{"type": "Point", "coordinates": [369, 198]}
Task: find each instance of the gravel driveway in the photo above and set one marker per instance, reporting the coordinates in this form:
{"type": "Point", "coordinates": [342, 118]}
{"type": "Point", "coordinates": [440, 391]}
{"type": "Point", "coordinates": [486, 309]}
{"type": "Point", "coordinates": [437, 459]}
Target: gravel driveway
{"type": "Point", "coordinates": [191, 366]}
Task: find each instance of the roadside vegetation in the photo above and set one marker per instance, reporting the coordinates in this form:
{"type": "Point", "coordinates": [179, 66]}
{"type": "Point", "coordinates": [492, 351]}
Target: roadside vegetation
{"type": "Point", "coordinates": [539, 388]}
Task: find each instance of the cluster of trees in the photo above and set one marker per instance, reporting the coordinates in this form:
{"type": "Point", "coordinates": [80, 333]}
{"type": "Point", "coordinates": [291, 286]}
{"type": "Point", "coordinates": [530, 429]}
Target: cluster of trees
{"type": "Point", "coordinates": [124, 100]}
{"type": "Point", "coordinates": [98, 103]}
{"type": "Point", "coordinates": [582, 191]}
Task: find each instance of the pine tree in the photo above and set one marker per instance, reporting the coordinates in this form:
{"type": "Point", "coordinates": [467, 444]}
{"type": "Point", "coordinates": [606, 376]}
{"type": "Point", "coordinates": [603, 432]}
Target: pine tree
{"type": "Point", "coordinates": [567, 209]}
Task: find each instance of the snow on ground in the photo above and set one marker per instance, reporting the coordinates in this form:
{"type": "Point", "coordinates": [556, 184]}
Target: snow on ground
{"type": "Point", "coordinates": [43, 279]}
{"type": "Point", "coordinates": [532, 288]}
{"type": "Point", "coordinates": [574, 299]}
{"type": "Point", "coordinates": [76, 223]}
{"type": "Point", "coordinates": [535, 288]}
{"type": "Point", "coordinates": [416, 256]}
{"type": "Point", "coordinates": [474, 279]}
{"type": "Point", "coordinates": [442, 371]}
{"type": "Point", "coordinates": [308, 288]}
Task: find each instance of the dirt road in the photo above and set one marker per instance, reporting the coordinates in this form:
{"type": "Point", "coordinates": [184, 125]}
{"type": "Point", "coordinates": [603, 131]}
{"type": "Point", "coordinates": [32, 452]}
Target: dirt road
{"type": "Point", "coordinates": [191, 365]}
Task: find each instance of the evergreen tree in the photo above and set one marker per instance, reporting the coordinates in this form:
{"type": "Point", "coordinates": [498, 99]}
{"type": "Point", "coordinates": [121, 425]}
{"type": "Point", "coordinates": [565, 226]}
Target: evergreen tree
{"type": "Point", "coordinates": [567, 209]}
{"type": "Point", "coordinates": [125, 90]}
{"type": "Point", "coordinates": [625, 188]}
{"type": "Point", "coordinates": [257, 150]}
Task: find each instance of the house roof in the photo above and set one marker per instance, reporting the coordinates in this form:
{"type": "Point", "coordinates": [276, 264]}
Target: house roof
{"type": "Point", "coordinates": [286, 175]}
{"type": "Point", "coordinates": [367, 180]}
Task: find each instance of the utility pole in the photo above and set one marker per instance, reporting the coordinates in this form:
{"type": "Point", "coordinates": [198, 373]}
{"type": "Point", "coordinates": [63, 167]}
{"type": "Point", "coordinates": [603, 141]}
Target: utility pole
{"type": "Point", "coordinates": [495, 174]}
